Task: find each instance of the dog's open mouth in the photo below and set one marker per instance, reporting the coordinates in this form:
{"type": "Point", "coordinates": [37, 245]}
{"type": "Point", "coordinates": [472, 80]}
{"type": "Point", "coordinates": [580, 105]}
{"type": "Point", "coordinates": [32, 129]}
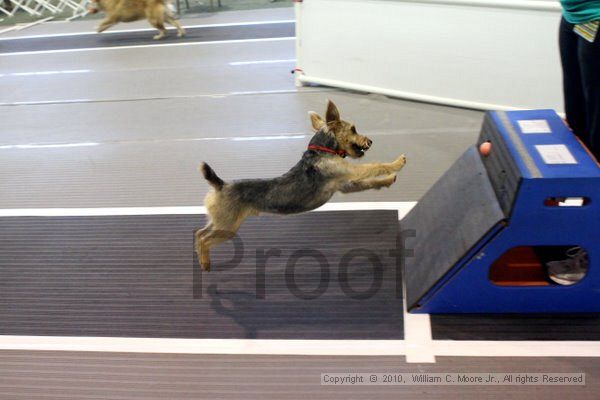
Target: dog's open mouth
{"type": "Point", "coordinates": [359, 150]}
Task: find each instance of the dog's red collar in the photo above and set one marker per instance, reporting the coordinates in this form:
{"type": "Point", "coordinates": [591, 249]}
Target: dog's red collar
{"type": "Point", "coordinates": [341, 153]}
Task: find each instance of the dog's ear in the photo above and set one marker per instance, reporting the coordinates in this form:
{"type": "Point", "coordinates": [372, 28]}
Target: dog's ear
{"type": "Point", "coordinates": [332, 115]}
{"type": "Point", "coordinates": [316, 121]}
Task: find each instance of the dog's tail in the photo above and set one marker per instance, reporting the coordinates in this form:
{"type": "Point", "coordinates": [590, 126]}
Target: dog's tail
{"type": "Point", "coordinates": [211, 176]}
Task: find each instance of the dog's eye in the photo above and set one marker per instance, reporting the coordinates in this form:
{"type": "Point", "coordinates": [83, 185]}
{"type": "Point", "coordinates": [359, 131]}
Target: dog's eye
{"type": "Point", "coordinates": [353, 129]}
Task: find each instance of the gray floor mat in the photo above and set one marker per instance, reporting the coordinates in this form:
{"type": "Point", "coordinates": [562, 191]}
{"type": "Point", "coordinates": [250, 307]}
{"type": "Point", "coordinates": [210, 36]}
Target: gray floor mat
{"type": "Point", "coordinates": [135, 276]}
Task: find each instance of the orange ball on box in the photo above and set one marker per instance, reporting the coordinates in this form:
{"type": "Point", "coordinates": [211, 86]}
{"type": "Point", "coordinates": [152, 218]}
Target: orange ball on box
{"type": "Point", "coordinates": [485, 148]}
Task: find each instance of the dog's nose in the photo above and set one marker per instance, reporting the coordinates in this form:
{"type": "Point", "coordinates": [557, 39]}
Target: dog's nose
{"type": "Point", "coordinates": [369, 143]}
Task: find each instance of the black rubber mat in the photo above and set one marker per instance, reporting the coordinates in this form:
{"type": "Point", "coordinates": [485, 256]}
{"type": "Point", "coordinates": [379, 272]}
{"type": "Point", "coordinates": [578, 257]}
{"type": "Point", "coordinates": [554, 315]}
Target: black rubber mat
{"type": "Point", "coordinates": [136, 276]}
{"type": "Point", "coordinates": [516, 327]}
{"type": "Point", "coordinates": [118, 39]}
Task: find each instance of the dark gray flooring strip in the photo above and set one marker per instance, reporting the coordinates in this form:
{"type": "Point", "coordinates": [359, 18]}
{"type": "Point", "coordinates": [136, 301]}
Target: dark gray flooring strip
{"type": "Point", "coordinates": [516, 327]}
{"type": "Point", "coordinates": [79, 375]}
{"type": "Point", "coordinates": [135, 276]}
{"type": "Point", "coordinates": [119, 39]}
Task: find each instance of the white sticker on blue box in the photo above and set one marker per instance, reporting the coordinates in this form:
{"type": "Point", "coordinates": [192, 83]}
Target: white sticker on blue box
{"type": "Point", "coordinates": [534, 126]}
{"type": "Point", "coordinates": [555, 154]}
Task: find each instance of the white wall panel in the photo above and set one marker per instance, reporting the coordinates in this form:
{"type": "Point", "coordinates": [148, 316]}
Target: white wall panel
{"type": "Point", "coordinates": [498, 54]}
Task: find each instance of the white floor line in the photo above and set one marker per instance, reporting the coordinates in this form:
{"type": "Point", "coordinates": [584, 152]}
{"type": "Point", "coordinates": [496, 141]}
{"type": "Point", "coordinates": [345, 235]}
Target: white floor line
{"type": "Point", "coordinates": [284, 21]}
{"type": "Point", "coordinates": [46, 73]}
{"type": "Point", "coordinates": [176, 44]}
{"type": "Point", "coordinates": [257, 136]}
{"type": "Point", "coordinates": [124, 69]}
{"type": "Point", "coordinates": [29, 146]}
{"type": "Point", "coordinates": [417, 327]}
{"type": "Point", "coordinates": [258, 62]}
{"type": "Point", "coordinates": [170, 97]}
{"type": "Point", "coordinates": [84, 212]}
{"type": "Point", "coordinates": [417, 336]}
{"type": "Point", "coordinates": [206, 346]}
{"type": "Point", "coordinates": [508, 348]}
{"type": "Point", "coordinates": [402, 206]}
{"type": "Point", "coordinates": [441, 348]}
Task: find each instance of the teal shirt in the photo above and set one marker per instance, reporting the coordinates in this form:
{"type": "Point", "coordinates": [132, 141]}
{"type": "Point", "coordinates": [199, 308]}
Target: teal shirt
{"type": "Point", "coordinates": [581, 11]}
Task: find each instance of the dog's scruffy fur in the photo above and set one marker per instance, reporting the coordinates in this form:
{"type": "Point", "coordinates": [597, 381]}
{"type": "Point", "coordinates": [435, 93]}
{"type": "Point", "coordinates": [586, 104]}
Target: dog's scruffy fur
{"type": "Point", "coordinates": [308, 185]}
{"type": "Point", "coordinates": [156, 11]}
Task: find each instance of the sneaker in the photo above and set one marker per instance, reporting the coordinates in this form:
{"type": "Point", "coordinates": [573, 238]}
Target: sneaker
{"type": "Point", "coordinates": [571, 270]}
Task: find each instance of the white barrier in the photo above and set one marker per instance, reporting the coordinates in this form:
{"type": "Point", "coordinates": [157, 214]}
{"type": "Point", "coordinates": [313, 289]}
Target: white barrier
{"type": "Point", "coordinates": [37, 8]}
{"type": "Point", "coordinates": [484, 54]}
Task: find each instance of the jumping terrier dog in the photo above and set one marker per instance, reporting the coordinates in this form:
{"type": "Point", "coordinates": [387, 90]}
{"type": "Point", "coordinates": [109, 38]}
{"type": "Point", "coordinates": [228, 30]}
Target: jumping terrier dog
{"type": "Point", "coordinates": [310, 183]}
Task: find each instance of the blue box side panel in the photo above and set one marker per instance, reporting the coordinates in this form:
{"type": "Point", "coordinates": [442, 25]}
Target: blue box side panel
{"type": "Point", "coordinates": [471, 291]}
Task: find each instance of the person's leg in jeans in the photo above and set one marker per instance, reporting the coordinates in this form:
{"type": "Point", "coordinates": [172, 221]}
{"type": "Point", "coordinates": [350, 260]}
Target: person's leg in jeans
{"type": "Point", "coordinates": [572, 81]}
{"type": "Point", "coordinates": [589, 62]}
{"type": "Point", "coordinates": [581, 86]}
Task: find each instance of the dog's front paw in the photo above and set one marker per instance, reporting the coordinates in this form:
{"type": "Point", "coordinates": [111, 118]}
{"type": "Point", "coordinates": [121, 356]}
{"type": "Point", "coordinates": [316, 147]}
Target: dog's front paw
{"type": "Point", "coordinates": [159, 36]}
{"type": "Point", "coordinates": [400, 162]}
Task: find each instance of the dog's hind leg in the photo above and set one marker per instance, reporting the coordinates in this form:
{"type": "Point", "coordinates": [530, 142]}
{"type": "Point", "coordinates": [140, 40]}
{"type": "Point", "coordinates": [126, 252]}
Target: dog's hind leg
{"type": "Point", "coordinates": [161, 27]}
{"type": "Point", "coordinates": [171, 20]}
{"type": "Point", "coordinates": [210, 239]}
{"type": "Point", "coordinates": [156, 18]}
{"type": "Point", "coordinates": [199, 234]}
{"type": "Point", "coordinates": [204, 231]}
{"type": "Point", "coordinates": [224, 227]}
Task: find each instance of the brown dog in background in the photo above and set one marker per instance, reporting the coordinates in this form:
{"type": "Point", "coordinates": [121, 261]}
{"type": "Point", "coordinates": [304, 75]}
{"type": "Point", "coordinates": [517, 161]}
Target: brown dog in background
{"type": "Point", "coordinates": [156, 11]}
